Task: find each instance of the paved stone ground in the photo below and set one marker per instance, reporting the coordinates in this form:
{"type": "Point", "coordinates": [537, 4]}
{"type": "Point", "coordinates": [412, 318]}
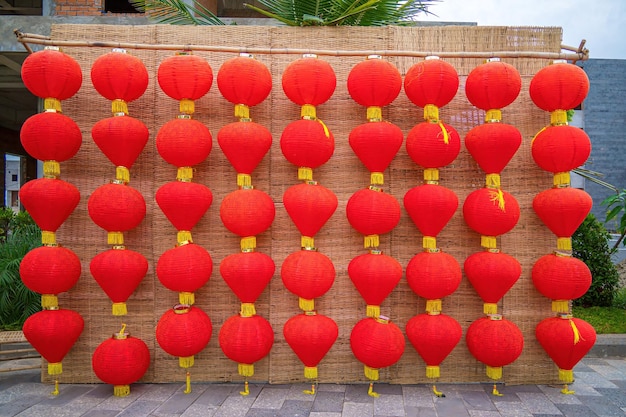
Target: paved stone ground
{"type": "Point", "coordinates": [600, 392]}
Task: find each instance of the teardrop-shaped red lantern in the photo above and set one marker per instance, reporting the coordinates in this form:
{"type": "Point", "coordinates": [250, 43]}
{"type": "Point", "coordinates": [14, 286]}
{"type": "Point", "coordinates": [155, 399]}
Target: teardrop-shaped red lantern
{"type": "Point", "coordinates": [559, 86]}
{"type": "Point", "coordinates": [118, 272]}
{"type": "Point", "coordinates": [119, 76]}
{"type": "Point", "coordinates": [492, 274]}
{"type": "Point", "coordinates": [562, 210]}
{"type": "Point", "coordinates": [377, 343]}
{"type": "Point", "coordinates": [121, 361]}
{"type": "Point", "coordinates": [244, 80]}
{"type": "Point", "coordinates": [184, 331]}
{"type": "Point", "coordinates": [374, 275]}
{"type": "Point", "coordinates": [432, 81]}
{"type": "Point", "coordinates": [491, 212]}
{"type": "Point", "coordinates": [51, 73]}
{"type": "Point", "coordinates": [309, 205]}
{"type": "Point", "coordinates": [309, 80]}
{"type": "Point", "coordinates": [430, 207]}
{"type": "Point", "coordinates": [49, 202]}
{"type": "Point", "coordinates": [494, 341]}
{"type": "Point", "coordinates": [560, 148]}
{"type": "Point", "coordinates": [185, 76]}
{"type": "Point", "coordinates": [566, 340]}
{"type": "Point", "coordinates": [252, 137]}
{"type": "Point", "coordinates": [121, 139]}
{"type": "Point", "coordinates": [185, 268]}
{"type": "Point", "coordinates": [246, 340]}
{"type": "Point", "coordinates": [493, 85]}
{"type": "Point", "coordinates": [53, 333]}
{"type": "Point", "coordinates": [374, 82]}
{"type": "Point", "coordinates": [307, 143]}
{"type": "Point", "coordinates": [433, 337]}
{"type": "Point", "coordinates": [247, 274]}
{"type": "Point", "coordinates": [50, 136]}
{"type": "Point", "coordinates": [50, 270]}
{"type": "Point", "coordinates": [184, 142]}
{"type": "Point", "coordinates": [310, 336]}
{"type": "Point", "coordinates": [247, 212]}
{"type": "Point", "coordinates": [183, 203]}
{"type": "Point", "coordinates": [561, 278]}
{"type": "Point", "coordinates": [372, 212]}
{"type": "Point", "coordinates": [432, 145]}
{"type": "Point", "coordinates": [433, 275]}
{"type": "Point", "coordinates": [376, 144]}
{"type": "Point", "coordinates": [308, 274]}
{"type": "Point", "coordinates": [116, 207]}
{"type": "Point", "coordinates": [492, 145]}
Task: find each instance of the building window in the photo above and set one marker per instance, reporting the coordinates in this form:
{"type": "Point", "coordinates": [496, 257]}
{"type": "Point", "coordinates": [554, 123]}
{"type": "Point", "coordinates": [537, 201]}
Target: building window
{"type": "Point", "coordinates": [14, 177]}
{"type": "Point", "coordinates": [119, 6]}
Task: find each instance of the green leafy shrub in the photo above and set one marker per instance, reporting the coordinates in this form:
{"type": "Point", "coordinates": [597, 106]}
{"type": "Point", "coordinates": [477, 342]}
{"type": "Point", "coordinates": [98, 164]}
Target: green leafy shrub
{"type": "Point", "coordinates": [590, 244]}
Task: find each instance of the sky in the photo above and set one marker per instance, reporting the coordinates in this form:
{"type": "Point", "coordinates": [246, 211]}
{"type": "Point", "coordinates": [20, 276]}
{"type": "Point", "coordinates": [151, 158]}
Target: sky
{"type": "Point", "coordinates": [601, 22]}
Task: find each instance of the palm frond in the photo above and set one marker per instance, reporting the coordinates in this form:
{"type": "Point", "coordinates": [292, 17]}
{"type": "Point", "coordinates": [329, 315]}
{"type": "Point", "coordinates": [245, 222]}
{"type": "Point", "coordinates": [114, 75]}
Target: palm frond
{"type": "Point", "coordinates": [594, 177]}
{"type": "Point", "coordinates": [177, 12]}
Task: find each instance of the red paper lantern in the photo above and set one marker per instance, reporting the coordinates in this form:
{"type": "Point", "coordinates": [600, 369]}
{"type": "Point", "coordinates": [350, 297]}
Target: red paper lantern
{"type": "Point", "coordinates": [244, 80]}
{"type": "Point", "coordinates": [377, 343]}
{"type": "Point", "coordinates": [50, 136]}
{"type": "Point", "coordinates": [50, 270]}
{"type": "Point", "coordinates": [254, 138]}
{"type": "Point", "coordinates": [310, 336]}
{"type": "Point", "coordinates": [561, 278]}
{"type": "Point", "coordinates": [432, 81]}
{"type": "Point", "coordinates": [307, 143]}
{"type": "Point", "coordinates": [566, 340]}
{"type": "Point", "coordinates": [185, 269]}
{"type": "Point", "coordinates": [376, 144]}
{"type": "Point", "coordinates": [374, 275]}
{"type": "Point", "coordinates": [372, 212]}
{"type": "Point", "coordinates": [433, 337]}
{"type": "Point", "coordinates": [493, 145]}
{"type": "Point", "coordinates": [433, 275]}
{"type": "Point", "coordinates": [116, 208]}
{"type": "Point", "coordinates": [493, 85]}
{"type": "Point", "coordinates": [183, 203]}
{"type": "Point", "coordinates": [121, 139]}
{"type": "Point", "coordinates": [309, 205]}
{"type": "Point", "coordinates": [492, 274]}
{"type": "Point", "coordinates": [118, 272]}
{"type": "Point", "coordinates": [184, 142]}
{"type": "Point", "coordinates": [308, 274]}
{"type": "Point", "coordinates": [560, 148]}
{"type": "Point", "coordinates": [430, 207]}
{"type": "Point", "coordinates": [246, 340]}
{"type": "Point", "coordinates": [374, 82]}
{"type": "Point", "coordinates": [120, 77]}
{"type": "Point", "coordinates": [184, 331]}
{"type": "Point", "coordinates": [491, 212]}
{"type": "Point", "coordinates": [562, 210]}
{"type": "Point", "coordinates": [309, 80]}
{"type": "Point", "coordinates": [494, 341]}
{"type": "Point", "coordinates": [53, 333]}
{"type": "Point", "coordinates": [247, 274]}
{"type": "Point", "coordinates": [51, 73]}
{"type": "Point", "coordinates": [432, 145]}
{"type": "Point", "coordinates": [185, 77]}
{"type": "Point", "coordinates": [247, 212]}
{"type": "Point", "coordinates": [121, 361]}
{"type": "Point", "coordinates": [559, 86]}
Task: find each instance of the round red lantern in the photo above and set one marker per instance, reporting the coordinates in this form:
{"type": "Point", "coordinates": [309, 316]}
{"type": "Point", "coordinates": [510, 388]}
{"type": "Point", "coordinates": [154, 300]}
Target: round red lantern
{"type": "Point", "coordinates": [559, 86]}
{"type": "Point", "coordinates": [372, 212]}
{"type": "Point", "coordinates": [433, 275]}
{"type": "Point", "coordinates": [50, 270]}
{"type": "Point", "coordinates": [247, 212]}
{"type": "Point", "coordinates": [431, 145]}
{"type": "Point", "coordinates": [185, 77]}
{"type": "Point", "coordinates": [184, 142]}
{"type": "Point", "coordinates": [492, 274]}
{"type": "Point", "coordinates": [183, 203]}
{"type": "Point", "coordinates": [118, 272]}
{"type": "Point", "coordinates": [431, 84]}
{"type": "Point", "coordinates": [374, 275]}
{"type": "Point", "coordinates": [310, 336]}
{"type": "Point", "coordinates": [184, 268]}
{"type": "Point", "coordinates": [307, 144]}
{"type": "Point", "coordinates": [376, 144]}
{"type": "Point", "coordinates": [53, 333]}
{"type": "Point", "coordinates": [492, 145]}
{"type": "Point", "coordinates": [245, 82]}
{"type": "Point", "coordinates": [308, 274]}
{"type": "Point", "coordinates": [377, 343]}
{"type": "Point", "coordinates": [309, 80]}
{"type": "Point", "coordinates": [494, 341]}
{"type": "Point", "coordinates": [309, 205]}
{"type": "Point", "coordinates": [433, 337]}
{"type": "Point", "coordinates": [430, 207]}
{"type": "Point", "coordinates": [492, 86]}
{"type": "Point", "coordinates": [254, 138]}
{"type": "Point", "coordinates": [121, 361]}
{"type": "Point", "coordinates": [246, 340]}
{"type": "Point", "coordinates": [184, 331]}
{"type": "Point", "coordinates": [561, 278]}
{"type": "Point", "coordinates": [559, 149]}
{"type": "Point", "coordinates": [247, 274]}
{"type": "Point", "coordinates": [374, 82]}
{"type": "Point", "coordinates": [50, 136]}
{"type": "Point", "coordinates": [490, 212]}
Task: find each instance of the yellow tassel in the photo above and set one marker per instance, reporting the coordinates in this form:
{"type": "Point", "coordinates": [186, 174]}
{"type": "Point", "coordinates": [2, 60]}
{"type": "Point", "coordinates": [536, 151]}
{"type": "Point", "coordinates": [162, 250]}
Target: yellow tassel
{"type": "Point", "coordinates": [185, 361]}
{"type": "Point", "coordinates": [370, 391]}
{"type": "Point", "coordinates": [488, 242]}
{"type": "Point", "coordinates": [493, 116]}
{"type": "Point", "coordinates": [498, 196]}
{"type": "Point", "coordinates": [494, 372]}
{"type": "Point", "coordinates": [429, 242]}
{"type": "Point", "coordinates": [187, 383]}
{"type": "Point", "coordinates": [187, 298]}
{"type": "Point", "coordinates": [567, 391]}
{"type": "Point", "coordinates": [187, 106]}
{"type": "Point", "coordinates": [438, 393]}
{"type": "Point", "coordinates": [370, 373]}
{"type": "Point", "coordinates": [370, 241]}
{"type": "Point", "coordinates": [305, 173]}
{"type": "Point", "coordinates": [431, 113]}
{"type": "Point", "coordinates": [372, 311]}
{"type": "Point", "coordinates": [558, 118]}
{"type": "Point", "coordinates": [246, 389]}
{"type": "Point", "coordinates": [326, 131]}
{"type": "Point", "coordinates": [433, 372]}
{"type": "Point", "coordinates": [564, 243]}
{"type": "Point", "coordinates": [119, 106]}
{"type": "Point", "coordinates": [374, 114]}
{"type": "Point", "coordinates": [562, 179]}
{"type": "Point", "coordinates": [244, 180]}
{"type": "Point", "coordinates": [242, 111]}
{"type": "Point", "coordinates": [51, 169]}
{"type": "Point", "coordinates": [55, 368]}
{"type": "Point", "coordinates": [495, 391]}
{"type": "Point", "coordinates": [431, 174]}
{"type": "Point", "coordinates": [119, 309]}
{"type": "Point", "coordinates": [446, 137]}
{"type": "Point", "coordinates": [115, 238]}
{"type": "Point", "coordinates": [51, 103]}
{"type": "Point", "coordinates": [247, 243]}
{"type": "Point", "coordinates": [306, 305]}
{"type": "Point", "coordinates": [433, 306]}
{"type": "Point", "coordinates": [307, 242]}
{"type": "Point", "coordinates": [247, 310]}
{"type": "Point", "coordinates": [377, 178]}
{"type": "Point", "coordinates": [560, 306]}
{"type": "Point", "coordinates": [566, 376]}
{"type": "Point", "coordinates": [311, 391]}
{"type": "Point", "coordinates": [308, 111]}
{"type": "Point", "coordinates": [310, 372]}
{"type": "Point", "coordinates": [183, 237]}
{"type": "Point", "coordinates": [121, 390]}
{"type": "Point", "coordinates": [490, 308]}
{"type": "Point", "coordinates": [492, 180]}
{"type": "Point", "coordinates": [48, 238]}
{"type": "Point", "coordinates": [49, 301]}
{"type": "Point", "coordinates": [576, 332]}
{"type": "Point", "coordinates": [56, 387]}
{"type": "Point", "coordinates": [245, 369]}
{"type": "Point", "coordinates": [184, 174]}
{"type": "Point", "coordinates": [122, 174]}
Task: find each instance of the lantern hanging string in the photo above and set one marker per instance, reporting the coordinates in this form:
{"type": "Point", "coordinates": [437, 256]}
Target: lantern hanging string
{"type": "Point", "coordinates": [575, 54]}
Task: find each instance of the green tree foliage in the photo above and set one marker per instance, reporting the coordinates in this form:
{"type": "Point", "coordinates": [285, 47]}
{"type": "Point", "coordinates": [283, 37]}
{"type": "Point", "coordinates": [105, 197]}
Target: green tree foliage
{"type": "Point", "coordinates": [616, 215]}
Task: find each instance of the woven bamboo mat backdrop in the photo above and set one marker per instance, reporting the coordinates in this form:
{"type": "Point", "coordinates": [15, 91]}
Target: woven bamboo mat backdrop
{"type": "Point", "coordinates": [343, 174]}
